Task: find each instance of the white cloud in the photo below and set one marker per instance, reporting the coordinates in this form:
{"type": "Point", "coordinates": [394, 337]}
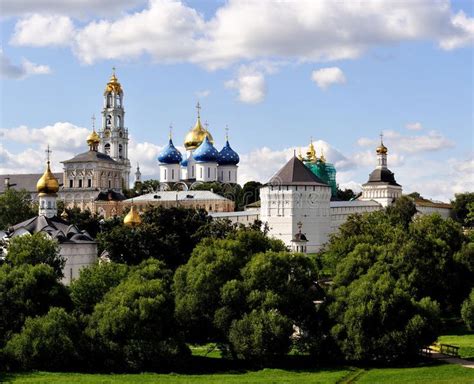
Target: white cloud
{"type": "Point", "coordinates": [60, 136]}
{"type": "Point", "coordinates": [465, 27]}
{"type": "Point", "coordinates": [41, 30]}
{"type": "Point", "coordinates": [203, 93]}
{"type": "Point", "coordinates": [250, 84]}
{"type": "Point", "coordinates": [78, 8]}
{"type": "Point", "coordinates": [433, 141]}
{"type": "Point", "coordinates": [145, 154]}
{"type": "Point", "coordinates": [326, 77]}
{"type": "Point", "coordinates": [414, 126]}
{"type": "Point", "coordinates": [9, 70]}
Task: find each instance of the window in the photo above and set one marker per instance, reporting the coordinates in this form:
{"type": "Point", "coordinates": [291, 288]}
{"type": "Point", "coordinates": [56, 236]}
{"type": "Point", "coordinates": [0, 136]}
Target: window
{"type": "Point", "coordinates": [110, 183]}
{"type": "Point", "coordinates": [108, 121]}
{"type": "Point", "coordinates": [120, 151]}
{"type": "Point", "coordinates": [172, 174]}
{"type": "Point", "coordinates": [208, 172]}
{"type": "Point", "coordinates": [165, 175]}
{"type": "Point", "coordinates": [71, 183]}
{"type": "Point", "coordinates": [107, 149]}
{"type": "Point", "coordinates": [229, 175]}
{"type": "Point", "coordinates": [80, 183]}
{"type": "Point", "coordinates": [200, 173]}
{"type": "Point", "coordinates": [89, 183]}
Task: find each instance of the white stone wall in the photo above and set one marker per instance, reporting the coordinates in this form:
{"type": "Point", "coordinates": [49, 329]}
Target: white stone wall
{"type": "Point", "coordinates": [282, 207]}
{"type": "Point", "coordinates": [227, 173]}
{"type": "Point", "coordinates": [170, 173]}
{"type": "Point", "coordinates": [78, 256]}
{"type": "Point", "coordinates": [381, 193]}
{"type": "Point", "coordinates": [206, 172]}
{"type": "Point", "coordinates": [339, 215]}
{"type": "Point", "coordinates": [445, 212]}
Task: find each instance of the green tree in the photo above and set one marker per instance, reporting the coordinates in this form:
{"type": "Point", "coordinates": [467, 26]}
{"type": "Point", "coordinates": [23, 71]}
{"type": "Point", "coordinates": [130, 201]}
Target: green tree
{"type": "Point", "coordinates": [250, 193]}
{"type": "Point", "coordinates": [213, 262]}
{"type": "Point", "coordinates": [27, 291]}
{"type": "Point", "coordinates": [261, 335]}
{"type": "Point", "coordinates": [93, 283]}
{"type": "Point", "coordinates": [467, 311]}
{"type": "Point", "coordinates": [148, 186]}
{"type": "Point", "coordinates": [345, 195]}
{"type": "Point", "coordinates": [461, 207]}
{"type": "Point", "coordinates": [377, 319]}
{"type": "Point", "coordinates": [402, 211]}
{"type": "Point", "coordinates": [133, 326]}
{"type": "Point", "coordinates": [48, 342]}
{"type": "Point", "coordinates": [15, 207]}
{"type": "Point", "coordinates": [84, 220]}
{"type": "Point", "coordinates": [35, 249]}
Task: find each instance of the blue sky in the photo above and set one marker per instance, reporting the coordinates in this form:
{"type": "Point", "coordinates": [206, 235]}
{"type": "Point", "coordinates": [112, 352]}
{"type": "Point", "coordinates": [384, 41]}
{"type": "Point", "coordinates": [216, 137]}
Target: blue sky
{"type": "Point", "coordinates": [275, 73]}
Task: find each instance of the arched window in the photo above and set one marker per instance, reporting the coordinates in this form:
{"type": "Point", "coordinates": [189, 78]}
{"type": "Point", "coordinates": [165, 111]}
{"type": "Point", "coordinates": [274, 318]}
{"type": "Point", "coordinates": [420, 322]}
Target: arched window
{"type": "Point", "coordinates": [108, 121]}
{"type": "Point", "coordinates": [107, 149]}
{"type": "Point", "coordinates": [120, 151]}
{"type": "Point", "coordinates": [109, 100]}
{"type": "Point", "coordinates": [118, 121]}
{"type": "Point", "coordinates": [117, 101]}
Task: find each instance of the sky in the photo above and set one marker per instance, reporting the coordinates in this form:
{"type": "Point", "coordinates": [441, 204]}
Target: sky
{"type": "Point", "coordinates": [276, 73]}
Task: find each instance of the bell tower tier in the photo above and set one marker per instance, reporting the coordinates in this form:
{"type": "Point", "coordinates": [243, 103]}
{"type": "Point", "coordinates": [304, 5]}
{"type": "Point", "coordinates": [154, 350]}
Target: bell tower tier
{"type": "Point", "coordinates": [113, 133]}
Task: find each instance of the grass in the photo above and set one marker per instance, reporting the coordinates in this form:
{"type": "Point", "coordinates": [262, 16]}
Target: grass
{"type": "Point", "coordinates": [465, 342]}
{"type": "Point", "coordinates": [432, 374]}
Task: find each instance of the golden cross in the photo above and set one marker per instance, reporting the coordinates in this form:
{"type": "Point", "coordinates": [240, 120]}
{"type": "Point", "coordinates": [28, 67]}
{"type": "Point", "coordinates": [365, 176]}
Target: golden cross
{"type": "Point", "coordinates": [198, 107]}
{"type": "Point", "coordinates": [48, 152]}
{"type": "Point", "coordinates": [226, 133]}
{"type": "Point", "coordinates": [93, 122]}
{"type": "Point", "coordinates": [171, 131]}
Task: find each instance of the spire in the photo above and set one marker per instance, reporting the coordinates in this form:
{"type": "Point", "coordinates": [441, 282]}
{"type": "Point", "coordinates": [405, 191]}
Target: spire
{"type": "Point", "coordinates": [226, 133]}
{"type": "Point", "coordinates": [171, 132]}
{"type": "Point", "coordinates": [198, 108]}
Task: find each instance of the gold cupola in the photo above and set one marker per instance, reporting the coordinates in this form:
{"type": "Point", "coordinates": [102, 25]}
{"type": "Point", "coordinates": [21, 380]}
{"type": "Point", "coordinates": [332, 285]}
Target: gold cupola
{"type": "Point", "coordinates": [113, 85]}
{"type": "Point", "coordinates": [311, 153]}
{"type": "Point", "coordinates": [132, 219]}
{"type": "Point", "coordinates": [47, 184]}
{"type": "Point", "coordinates": [196, 135]}
{"type": "Point", "coordinates": [381, 149]}
{"type": "Point", "coordinates": [93, 138]}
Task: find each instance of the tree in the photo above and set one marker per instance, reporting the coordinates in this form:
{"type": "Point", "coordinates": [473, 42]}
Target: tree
{"type": "Point", "coordinates": [377, 319]}
{"type": "Point", "coordinates": [15, 207]}
{"type": "Point", "coordinates": [467, 311]}
{"type": "Point", "coordinates": [402, 211]}
{"type": "Point", "coordinates": [461, 208]}
{"type": "Point", "coordinates": [345, 195]}
{"type": "Point", "coordinates": [250, 193]}
{"type": "Point", "coordinates": [148, 186]}
{"type": "Point", "coordinates": [213, 263]}
{"type": "Point", "coordinates": [93, 283]}
{"type": "Point", "coordinates": [84, 220]}
{"type": "Point", "coordinates": [35, 249]}
{"type": "Point", "coordinates": [48, 342]}
{"type": "Point", "coordinates": [133, 326]}
{"type": "Point", "coordinates": [261, 335]}
{"type": "Point", "coordinates": [27, 291]}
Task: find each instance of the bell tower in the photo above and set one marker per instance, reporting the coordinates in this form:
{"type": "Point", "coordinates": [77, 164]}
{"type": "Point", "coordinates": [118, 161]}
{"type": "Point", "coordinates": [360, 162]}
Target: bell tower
{"type": "Point", "coordinates": [113, 134]}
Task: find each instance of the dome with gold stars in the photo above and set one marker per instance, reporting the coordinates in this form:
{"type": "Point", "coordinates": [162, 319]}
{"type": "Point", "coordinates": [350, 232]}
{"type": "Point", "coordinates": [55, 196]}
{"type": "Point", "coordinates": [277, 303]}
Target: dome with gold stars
{"type": "Point", "coordinates": [132, 219]}
{"type": "Point", "coordinates": [113, 85]}
{"type": "Point", "coordinates": [47, 184]}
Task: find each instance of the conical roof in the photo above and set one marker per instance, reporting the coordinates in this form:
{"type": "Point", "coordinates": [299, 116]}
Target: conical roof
{"type": "Point", "coordinates": [294, 172]}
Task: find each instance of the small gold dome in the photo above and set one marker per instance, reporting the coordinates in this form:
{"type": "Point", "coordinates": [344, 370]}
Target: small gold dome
{"type": "Point", "coordinates": [382, 149]}
{"type": "Point", "coordinates": [196, 136]}
{"type": "Point", "coordinates": [93, 138]}
{"type": "Point", "coordinates": [133, 218]}
{"type": "Point", "coordinates": [113, 85]}
{"type": "Point", "coordinates": [47, 184]}
{"type": "Point", "coordinates": [311, 153]}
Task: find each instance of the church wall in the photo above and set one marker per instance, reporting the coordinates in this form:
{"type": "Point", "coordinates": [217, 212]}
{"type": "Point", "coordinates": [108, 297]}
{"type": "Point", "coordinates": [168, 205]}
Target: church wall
{"type": "Point", "coordinates": [381, 193]}
{"type": "Point", "coordinates": [339, 215]}
{"type": "Point", "coordinates": [78, 256]}
{"type": "Point", "coordinates": [206, 172]}
{"type": "Point", "coordinates": [227, 173]}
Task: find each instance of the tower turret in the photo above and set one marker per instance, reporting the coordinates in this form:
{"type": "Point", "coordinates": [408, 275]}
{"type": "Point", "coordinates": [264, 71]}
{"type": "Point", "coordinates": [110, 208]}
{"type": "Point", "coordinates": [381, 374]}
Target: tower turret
{"type": "Point", "coordinates": [113, 134]}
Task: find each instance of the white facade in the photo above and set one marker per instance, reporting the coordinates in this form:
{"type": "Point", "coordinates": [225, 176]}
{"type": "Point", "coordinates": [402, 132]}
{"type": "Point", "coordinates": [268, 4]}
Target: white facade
{"type": "Point", "coordinates": [227, 173]}
{"type": "Point", "coordinates": [170, 173]}
{"type": "Point", "coordinates": [78, 256]}
{"type": "Point", "coordinates": [47, 204]}
{"type": "Point", "coordinates": [381, 193]}
{"type": "Point", "coordinates": [206, 172]}
{"type": "Point", "coordinates": [284, 206]}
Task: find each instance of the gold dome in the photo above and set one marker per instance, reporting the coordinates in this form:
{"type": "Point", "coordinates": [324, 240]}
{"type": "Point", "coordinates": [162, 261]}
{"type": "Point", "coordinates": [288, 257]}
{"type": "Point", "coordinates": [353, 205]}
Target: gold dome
{"type": "Point", "coordinates": [311, 153]}
{"type": "Point", "coordinates": [93, 138]}
{"type": "Point", "coordinates": [382, 149]}
{"type": "Point", "coordinates": [47, 184]}
{"type": "Point", "coordinates": [132, 219]}
{"type": "Point", "coordinates": [196, 136]}
{"type": "Point", "coordinates": [113, 85]}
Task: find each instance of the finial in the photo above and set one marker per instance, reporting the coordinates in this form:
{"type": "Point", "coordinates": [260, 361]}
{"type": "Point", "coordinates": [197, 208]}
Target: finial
{"type": "Point", "coordinates": [226, 133]}
{"type": "Point", "coordinates": [206, 124]}
{"type": "Point", "coordinates": [93, 122]}
{"type": "Point", "coordinates": [381, 137]}
{"type": "Point", "coordinates": [48, 152]}
{"type": "Point", "coordinates": [311, 139]}
{"type": "Point", "coordinates": [113, 70]}
{"type": "Point", "coordinates": [171, 131]}
{"type": "Point", "coordinates": [198, 107]}
{"type": "Point", "coordinates": [138, 166]}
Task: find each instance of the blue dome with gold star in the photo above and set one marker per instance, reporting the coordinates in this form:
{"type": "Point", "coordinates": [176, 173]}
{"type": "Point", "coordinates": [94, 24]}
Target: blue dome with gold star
{"type": "Point", "coordinates": [170, 155]}
{"type": "Point", "coordinates": [227, 156]}
{"type": "Point", "coordinates": [206, 152]}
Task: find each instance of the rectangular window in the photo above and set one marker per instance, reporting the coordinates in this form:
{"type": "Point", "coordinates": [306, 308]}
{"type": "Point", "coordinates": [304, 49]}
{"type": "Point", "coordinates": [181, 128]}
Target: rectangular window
{"type": "Point", "coordinates": [80, 183]}
{"type": "Point", "coordinates": [208, 172]}
{"type": "Point", "coordinates": [71, 183]}
{"type": "Point", "coordinates": [89, 183]}
{"type": "Point", "coordinates": [165, 174]}
{"type": "Point", "coordinates": [229, 175]}
{"type": "Point", "coordinates": [110, 184]}
{"type": "Point", "coordinates": [172, 174]}
{"type": "Point", "coordinates": [200, 173]}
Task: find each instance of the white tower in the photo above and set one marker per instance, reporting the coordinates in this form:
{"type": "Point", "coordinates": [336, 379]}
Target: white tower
{"type": "Point", "coordinates": [381, 186]}
{"type": "Point", "coordinates": [293, 198]}
{"type": "Point", "coordinates": [113, 134]}
{"type": "Point", "coordinates": [169, 161]}
{"type": "Point", "coordinates": [47, 187]}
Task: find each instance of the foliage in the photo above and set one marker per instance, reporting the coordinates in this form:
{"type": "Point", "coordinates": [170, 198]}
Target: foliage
{"type": "Point", "coordinates": [250, 194]}
{"type": "Point", "coordinates": [462, 208]}
{"type": "Point", "coordinates": [46, 342]}
{"type": "Point", "coordinates": [133, 326]}
{"type": "Point", "coordinates": [260, 335]}
{"type": "Point", "coordinates": [345, 195]}
{"type": "Point", "coordinates": [35, 249]}
{"type": "Point", "coordinates": [465, 342]}
{"type": "Point", "coordinates": [377, 319]}
{"type": "Point", "coordinates": [93, 283]}
{"type": "Point", "coordinates": [148, 186]}
{"type": "Point", "coordinates": [467, 311]}
{"type": "Point", "coordinates": [213, 263]}
{"type": "Point", "coordinates": [84, 220]}
{"type": "Point", "coordinates": [15, 207]}
{"type": "Point", "coordinates": [401, 212]}
{"type": "Point", "coordinates": [167, 234]}
{"type": "Point", "coordinates": [27, 291]}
